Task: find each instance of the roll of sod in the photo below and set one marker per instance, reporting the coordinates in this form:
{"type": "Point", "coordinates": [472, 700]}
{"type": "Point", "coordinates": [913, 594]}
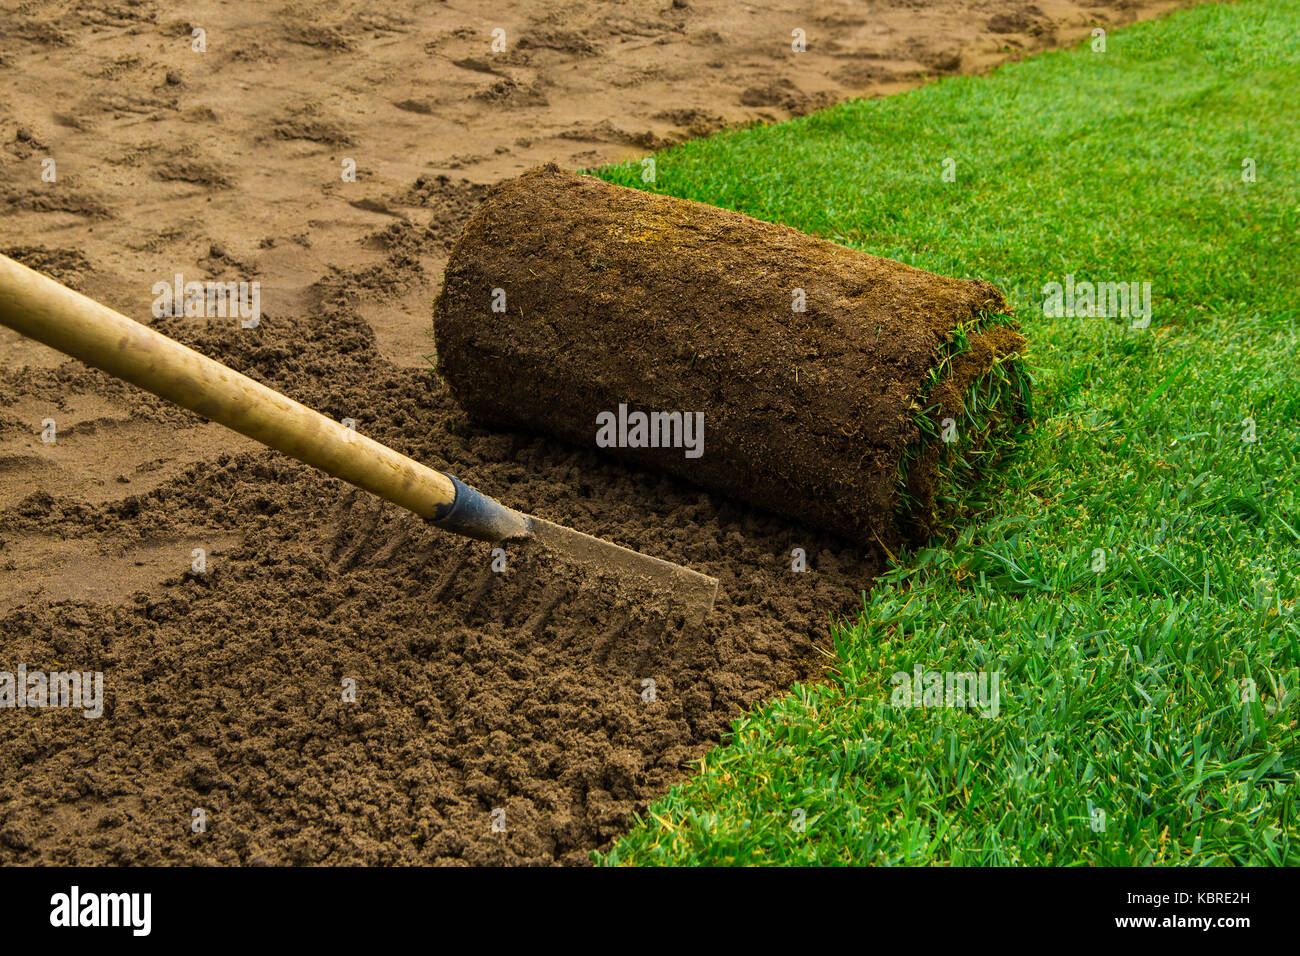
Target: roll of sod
{"type": "Point", "coordinates": [850, 392]}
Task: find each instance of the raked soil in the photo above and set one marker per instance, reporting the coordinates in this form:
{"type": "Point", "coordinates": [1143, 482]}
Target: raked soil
{"type": "Point", "coordinates": [544, 692]}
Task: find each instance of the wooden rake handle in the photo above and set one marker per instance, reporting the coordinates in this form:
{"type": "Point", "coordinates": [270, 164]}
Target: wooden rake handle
{"type": "Point", "coordinates": [42, 309]}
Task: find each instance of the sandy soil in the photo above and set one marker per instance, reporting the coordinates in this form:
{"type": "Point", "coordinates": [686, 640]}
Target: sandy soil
{"type": "Point", "coordinates": [226, 164]}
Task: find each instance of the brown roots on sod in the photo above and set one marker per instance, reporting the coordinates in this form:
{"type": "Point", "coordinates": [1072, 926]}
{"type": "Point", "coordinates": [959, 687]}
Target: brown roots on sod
{"type": "Point", "coordinates": [821, 375]}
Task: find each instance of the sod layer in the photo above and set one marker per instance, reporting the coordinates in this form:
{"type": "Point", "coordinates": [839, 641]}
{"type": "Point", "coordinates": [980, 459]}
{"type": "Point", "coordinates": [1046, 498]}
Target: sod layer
{"type": "Point", "coordinates": [744, 356]}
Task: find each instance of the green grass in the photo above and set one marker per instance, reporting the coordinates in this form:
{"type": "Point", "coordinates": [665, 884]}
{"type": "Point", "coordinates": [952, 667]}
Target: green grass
{"type": "Point", "coordinates": [1120, 688]}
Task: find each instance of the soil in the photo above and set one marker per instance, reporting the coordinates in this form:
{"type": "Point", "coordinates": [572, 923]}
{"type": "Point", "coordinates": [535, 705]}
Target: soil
{"type": "Point", "coordinates": [613, 298]}
{"type": "Point", "coordinates": [476, 691]}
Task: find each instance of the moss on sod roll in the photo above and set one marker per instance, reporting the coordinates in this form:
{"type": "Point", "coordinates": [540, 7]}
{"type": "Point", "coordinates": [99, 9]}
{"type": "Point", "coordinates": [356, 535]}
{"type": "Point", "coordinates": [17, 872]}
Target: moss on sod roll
{"type": "Point", "coordinates": [610, 317]}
